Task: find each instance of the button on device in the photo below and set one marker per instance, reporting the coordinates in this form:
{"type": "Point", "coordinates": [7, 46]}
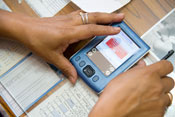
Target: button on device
{"type": "Point", "coordinates": [82, 63]}
{"type": "Point", "coordinates": [90, 53]}
{"type": "Point", "coordinates": [89, 71]}
{"type": "Point", "coordinates": [107, 73]}
{"type": "Point", "coordinates": [111, 69]}
{"type": "Point", "coordinates": [95, 78]}
{"type": "Point", "coordinates": [77, 58]}
{"type": "Point", "coordinates": [94, 50]}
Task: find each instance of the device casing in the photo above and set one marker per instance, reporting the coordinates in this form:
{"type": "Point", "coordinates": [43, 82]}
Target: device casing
{"type": "Point", "coordinates": [101, 83]}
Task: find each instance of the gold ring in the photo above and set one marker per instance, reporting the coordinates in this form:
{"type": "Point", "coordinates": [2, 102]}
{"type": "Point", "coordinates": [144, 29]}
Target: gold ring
{"type": "Point", "coordinates": [170, 97]}
{"type": "Point", "coordinates": [84, 17]}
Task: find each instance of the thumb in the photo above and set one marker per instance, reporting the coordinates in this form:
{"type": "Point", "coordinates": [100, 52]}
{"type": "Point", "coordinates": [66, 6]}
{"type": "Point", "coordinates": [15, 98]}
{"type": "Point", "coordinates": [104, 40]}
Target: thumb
{"type": "Point", "coordinates": [66, 67]}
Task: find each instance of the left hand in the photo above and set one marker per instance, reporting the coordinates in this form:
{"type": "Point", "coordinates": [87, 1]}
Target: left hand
{"type": "Point", "coordinates": [50, 37]}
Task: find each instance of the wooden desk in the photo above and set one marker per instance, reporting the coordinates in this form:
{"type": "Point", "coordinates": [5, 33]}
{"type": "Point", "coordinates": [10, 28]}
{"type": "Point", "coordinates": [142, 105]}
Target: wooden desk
{"type": "Point", "coordinates": [140, 16]}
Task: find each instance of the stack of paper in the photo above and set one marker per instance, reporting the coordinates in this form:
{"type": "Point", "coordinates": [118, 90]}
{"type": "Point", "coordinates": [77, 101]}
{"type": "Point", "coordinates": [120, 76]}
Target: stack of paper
{"type": "Point", "coordinates": [100, 5]}
{"type": "Point", "coordinates": [47, 8]}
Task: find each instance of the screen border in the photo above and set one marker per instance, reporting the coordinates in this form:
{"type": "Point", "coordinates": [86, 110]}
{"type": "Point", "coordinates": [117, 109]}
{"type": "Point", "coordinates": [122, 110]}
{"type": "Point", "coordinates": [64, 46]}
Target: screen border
{"type": "Point", "coordinates": [105, 57]}
{"type": "Point", "coordinates": [103, 81]}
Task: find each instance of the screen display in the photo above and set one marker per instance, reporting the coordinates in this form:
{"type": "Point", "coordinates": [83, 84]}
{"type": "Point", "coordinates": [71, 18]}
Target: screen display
{"type": "Point", "coordinates": [112, 52]}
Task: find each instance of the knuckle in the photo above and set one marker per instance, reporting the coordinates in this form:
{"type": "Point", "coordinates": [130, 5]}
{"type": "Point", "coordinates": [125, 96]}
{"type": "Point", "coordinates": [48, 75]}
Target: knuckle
{"type": "Point", "coordinates": [159, 88]}
{"type": "Point", "coordinates": [150, 74]}
{"type": "Point", "coordinates": [65, 69]}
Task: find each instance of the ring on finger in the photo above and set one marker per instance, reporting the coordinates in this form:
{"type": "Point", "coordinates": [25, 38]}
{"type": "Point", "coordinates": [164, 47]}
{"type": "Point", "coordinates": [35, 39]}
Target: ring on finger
{"type": "Point", "coordinates": [170, 97]}
{"type": "Point", "coordinates": [84, 17]}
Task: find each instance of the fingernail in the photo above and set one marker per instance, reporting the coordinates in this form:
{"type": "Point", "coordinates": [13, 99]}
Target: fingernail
{"type": "Point", "coordinates": [117, 28]}
{"type": "Point", "coordinates": [120, 15]}
{"type": "Point", "coordinates": [72, 79]}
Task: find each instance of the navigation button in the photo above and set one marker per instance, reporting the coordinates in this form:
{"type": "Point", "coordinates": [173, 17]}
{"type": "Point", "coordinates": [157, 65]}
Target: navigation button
{"type": "Point", "coordinates": [95, 78]}
{"type": "Point", "coordinates": [82, 63]}
{"type": "Point", "coordinates": [77, 58]}
{"type": "Point", "coordinates": [89, 71]}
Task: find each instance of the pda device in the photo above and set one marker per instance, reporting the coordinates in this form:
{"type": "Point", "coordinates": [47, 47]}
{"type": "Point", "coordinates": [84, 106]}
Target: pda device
{"type": "Point", "coordinates": [105, 57]}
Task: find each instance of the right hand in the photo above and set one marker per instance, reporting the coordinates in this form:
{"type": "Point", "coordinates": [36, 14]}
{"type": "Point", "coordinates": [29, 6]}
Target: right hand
{"type": "Point", "coordinates": [139, 92]}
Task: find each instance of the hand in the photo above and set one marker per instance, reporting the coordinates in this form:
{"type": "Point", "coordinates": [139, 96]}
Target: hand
{"type": "Point", "coordinates": [139, 92]}
{"type": "Point", "coordinates": [49, 37]}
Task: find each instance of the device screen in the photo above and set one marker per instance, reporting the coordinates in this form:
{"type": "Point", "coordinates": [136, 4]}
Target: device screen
{"type": "Point", "coordinates": [112, 52]}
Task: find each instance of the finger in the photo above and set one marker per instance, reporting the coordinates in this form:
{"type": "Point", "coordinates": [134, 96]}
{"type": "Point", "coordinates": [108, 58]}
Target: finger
{"type": "Point", "coordinates": [91, 30]}
{"type": "Point", "coordinates": [66, 67]}
{"type": "Point", "coordinates": [166, 100]}
{"type": "Point", "coordinates": [105, 18]}
{"type": "Point", "coordinates": [162, 67]}
{"type": "Point", "coordinates": [140, 64]}
{"type": "Point", "coordinates": [168, 84]}
{"type": "Point", "coordinates": [97, 18]}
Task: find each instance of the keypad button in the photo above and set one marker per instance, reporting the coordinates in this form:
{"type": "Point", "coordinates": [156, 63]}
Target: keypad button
{"type": "Point", "coordinates": [88, 71]}
{"type": "Point", "coordinates": [90, 53]}
{"type": "Point", "coordinates": [111, 69]}
{"type": "Point", "coordinates": [94, 50]}
{"type": "Point", "coordinates": [95, 78]}
{"type": "Point", "coordinates": [107, 73]}
{"type": "Point", "coordinates": [77, 58]}
{"type": "Point", "coordinates": [82, 63]}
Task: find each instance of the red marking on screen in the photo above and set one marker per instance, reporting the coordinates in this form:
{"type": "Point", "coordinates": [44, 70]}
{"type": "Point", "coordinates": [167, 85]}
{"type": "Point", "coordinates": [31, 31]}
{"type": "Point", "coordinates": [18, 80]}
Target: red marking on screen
{"type": "Point", "coordinates": [117, 48]}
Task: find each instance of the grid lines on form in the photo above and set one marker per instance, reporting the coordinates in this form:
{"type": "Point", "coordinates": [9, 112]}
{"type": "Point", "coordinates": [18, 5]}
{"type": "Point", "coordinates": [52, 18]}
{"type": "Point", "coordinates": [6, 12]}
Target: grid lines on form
{"type": "Point", "coordinates": [47, 8]}
{"type": "Point", "coordinates": [68, 101]}
{"type": "Point", "coordinates": [10, 101]}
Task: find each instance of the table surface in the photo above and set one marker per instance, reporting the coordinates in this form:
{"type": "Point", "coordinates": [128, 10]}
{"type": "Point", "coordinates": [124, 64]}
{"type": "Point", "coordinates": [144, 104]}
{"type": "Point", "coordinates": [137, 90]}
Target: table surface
{"type": "Point", "coordinates": [140, 15]}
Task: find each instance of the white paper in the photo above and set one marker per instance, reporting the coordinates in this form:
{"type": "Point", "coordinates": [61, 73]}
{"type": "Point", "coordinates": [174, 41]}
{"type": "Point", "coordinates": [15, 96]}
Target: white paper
{"type": "Point", "coordinates": [152, 58]}
{"type": "Point", "coordinates": [100, 5]}
{"type": "Point", "coordinates": [47, 8]}
{"type": "Point", "coordinates": [68, 101]}
{"type": "Point", "coordinates": [10, 54]}
{"type": "Point", "coordinates": [10, 101]}
{"type": "Point", "coordinates": [4, 6]}
{"type": "Point", "coordinates": [29, 80]}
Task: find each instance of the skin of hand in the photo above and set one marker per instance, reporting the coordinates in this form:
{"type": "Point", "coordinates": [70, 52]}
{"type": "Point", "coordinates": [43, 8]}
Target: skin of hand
{"type": "Point", "coordinates": [50, 37]}
{"type": "Point", "coordinates": [139, 92]}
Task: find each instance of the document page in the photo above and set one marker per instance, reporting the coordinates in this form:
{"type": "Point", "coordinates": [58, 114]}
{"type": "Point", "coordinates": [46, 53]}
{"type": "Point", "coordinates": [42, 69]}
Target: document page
{"type": "Point", "coordinates": [10, 54]}
{"type": "Point", "coordinates": [29, 80]}
{"type": "Point", "coordinates": [68, 101]}
{"type": "Point", "coordinates": [4, 6]}
{"type": "Point", "coordinates": [10, 101]}
{"type": "Point", "coordinates": [47, 8]}
{"type": "Point", "coordinates": [161, 39]}
{"type": "Point", "coordinates": [100, 5]}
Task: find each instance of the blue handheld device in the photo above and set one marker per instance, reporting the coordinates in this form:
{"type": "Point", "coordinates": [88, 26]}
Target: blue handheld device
{"type": "Point", "coordinates": [105, 57]}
